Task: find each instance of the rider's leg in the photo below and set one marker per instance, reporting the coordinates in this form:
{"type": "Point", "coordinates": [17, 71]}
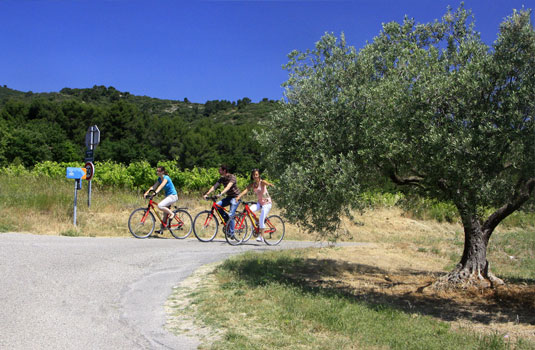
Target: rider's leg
{"type": "Point", "coordinates": [254, 208]}
{"type": "Point", "coordinates": [223, 203]}
{"type": "Point", "coordinates": [263, 215]}
{"type": "Point", "coordinates": [232, 212]}
{"type": "Point", "coordinates": [165, 205]}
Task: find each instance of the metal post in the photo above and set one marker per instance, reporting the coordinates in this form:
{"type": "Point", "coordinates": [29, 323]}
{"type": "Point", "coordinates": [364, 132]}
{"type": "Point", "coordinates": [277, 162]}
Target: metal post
{"type": "Point", "coordinates": [89, 186]}
{"type": "Point", "coordinates": [75, 198]}
{"type": "Point", "coordinates": [89, 194]}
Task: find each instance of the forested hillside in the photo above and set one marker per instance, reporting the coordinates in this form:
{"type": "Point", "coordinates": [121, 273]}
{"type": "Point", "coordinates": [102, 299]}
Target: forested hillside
{"type": "Point", "coordinates": [35, 127]}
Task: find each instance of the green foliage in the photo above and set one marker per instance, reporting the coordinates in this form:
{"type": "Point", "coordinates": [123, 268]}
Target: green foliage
{"type": "Point", "coordinates": [376, 199]}
{"type": "Point", "coordinates": [53, 169]}
{"type": "Point", "coordinates": [6, 227]}
{"type": "Point", "coordinates": [51, 126]}
{"type": "Point", "coordinates": [112, 174]}
{"type": "Point", "coordinates": [199, 178]}
{"type": "Point", "coordinates": [429, 106]}
{"type": "Point", "coordinates": [141, 173]}
{"type": "Point", "coordinates": [430, 209]}
{"type": "Point", "coordinates": [137, 176]}
{"type": "Point", "coordinates": [70, 233]}
{"type": "Point", "coordinates": [14, 170]}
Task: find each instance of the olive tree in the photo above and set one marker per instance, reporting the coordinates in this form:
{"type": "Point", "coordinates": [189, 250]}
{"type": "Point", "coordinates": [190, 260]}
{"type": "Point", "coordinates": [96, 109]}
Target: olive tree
{"type": "Point", "coordinates": [429, 106]}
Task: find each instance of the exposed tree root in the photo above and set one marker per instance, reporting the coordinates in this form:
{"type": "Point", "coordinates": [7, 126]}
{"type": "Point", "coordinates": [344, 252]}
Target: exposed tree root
{"type": "Point", "coordinates": [464, 278]}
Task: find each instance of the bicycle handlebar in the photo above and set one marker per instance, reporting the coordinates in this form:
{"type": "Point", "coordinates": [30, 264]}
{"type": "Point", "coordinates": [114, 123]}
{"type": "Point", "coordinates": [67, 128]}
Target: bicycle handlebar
{"type": "Point", "coordinates": [151, 196]}
{"type": "Point", "coordinates": [216, 198]}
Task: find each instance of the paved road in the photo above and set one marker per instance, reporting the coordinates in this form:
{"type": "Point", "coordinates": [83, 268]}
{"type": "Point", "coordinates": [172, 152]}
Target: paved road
{"type": "Point", "coordinates": [97, 293]}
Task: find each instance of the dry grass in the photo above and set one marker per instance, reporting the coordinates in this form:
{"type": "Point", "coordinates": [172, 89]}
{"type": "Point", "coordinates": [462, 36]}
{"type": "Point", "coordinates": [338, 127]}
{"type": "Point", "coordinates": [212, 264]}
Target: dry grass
{"type": "Point", "coordinates": [106, 217]}
{"type": "Point", "coordinates": [405, 258]}
{"type": "Point", "coordinates": [388, 274]}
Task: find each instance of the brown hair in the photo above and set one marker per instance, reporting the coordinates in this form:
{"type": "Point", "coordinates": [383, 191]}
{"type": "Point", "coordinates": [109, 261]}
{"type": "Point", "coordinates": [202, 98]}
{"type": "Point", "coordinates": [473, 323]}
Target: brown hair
{"type": "Point", "coordinates": [252, 173]}
{"type": "Point", "coordinates": [162, 169]}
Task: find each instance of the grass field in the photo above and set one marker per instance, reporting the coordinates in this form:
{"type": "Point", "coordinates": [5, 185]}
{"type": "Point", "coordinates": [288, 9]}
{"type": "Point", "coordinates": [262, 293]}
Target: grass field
{"type": "Point", "coordinates": [373, 297]}
{"type": "Point", "coordinates": [41, 206]}
{"type": "Point", "coordinates": [270, 301]}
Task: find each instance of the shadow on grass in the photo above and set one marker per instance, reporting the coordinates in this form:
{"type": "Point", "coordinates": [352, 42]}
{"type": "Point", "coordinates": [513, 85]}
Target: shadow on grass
{"type": "Point", "coordinates": [511, 303]}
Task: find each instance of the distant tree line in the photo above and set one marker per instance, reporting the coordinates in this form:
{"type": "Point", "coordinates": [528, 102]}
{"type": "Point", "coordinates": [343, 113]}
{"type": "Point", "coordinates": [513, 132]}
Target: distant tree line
{"type": "Point", "coordinates": [52, 126]}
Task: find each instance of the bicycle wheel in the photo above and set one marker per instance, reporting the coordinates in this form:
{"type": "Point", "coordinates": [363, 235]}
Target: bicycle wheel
{"type": "Point", "coordinates": [181, 225]}
{"type": "Point", "coordinates": [141, 223]}
{"type": "Point", "coordinates": [274, 231]}
{"type": "Point", "coordinates": [250, 231]}
{"type": "Point", "coordinates": [205, 226]}
{"type": "Point", "coordinates": [240, 230]}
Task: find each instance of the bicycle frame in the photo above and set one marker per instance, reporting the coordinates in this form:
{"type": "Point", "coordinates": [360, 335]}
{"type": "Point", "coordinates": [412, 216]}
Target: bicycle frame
{"type": "Point", "coordinates": [150, 207]}
{"type": "Point", "coordinates": [254, 220]}
{"type": "Point", "coordinates": [215, 208]}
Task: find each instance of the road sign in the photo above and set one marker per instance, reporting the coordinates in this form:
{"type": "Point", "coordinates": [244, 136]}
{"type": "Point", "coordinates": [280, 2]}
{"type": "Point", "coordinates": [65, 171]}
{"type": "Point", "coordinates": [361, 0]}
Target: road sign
{"type": "Point", "coordinates": [92, 137]}
{"type": "Point", "coordinates": [90, 170]}
{"type": "Point", "coordinates": [89, 155]}
{"type": "Point", "coordinates": [76, 173]}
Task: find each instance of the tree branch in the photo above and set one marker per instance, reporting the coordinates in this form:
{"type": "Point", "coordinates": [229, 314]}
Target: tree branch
{"type": "Point", "coordinates": [525, 190]}
{"type": "Point", "coordinates": [391, 172]}
{"type": "Point", "coordinates": [408, 180]}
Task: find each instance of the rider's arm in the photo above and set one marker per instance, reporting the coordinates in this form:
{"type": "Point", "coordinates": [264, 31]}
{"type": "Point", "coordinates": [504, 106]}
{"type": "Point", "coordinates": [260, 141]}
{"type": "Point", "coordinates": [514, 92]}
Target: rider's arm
{"type": "Point", "coordinates": [210, 191]}
{"type": "Point", "coordinates": [229, 185]}
{"type": "Point", "coordinates": [243, 193]}
{"type": "Point", "coordinates": [265, 183]}
{"type": "Point", "coordinates": [161, 186]}
{"type": "Point", "coordinates": [151, 189]}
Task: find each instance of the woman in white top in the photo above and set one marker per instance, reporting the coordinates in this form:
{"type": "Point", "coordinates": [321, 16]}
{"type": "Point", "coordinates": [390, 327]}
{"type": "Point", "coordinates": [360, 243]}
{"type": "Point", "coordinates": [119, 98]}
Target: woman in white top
{"type": "Point", "coordinates": [259, 186]}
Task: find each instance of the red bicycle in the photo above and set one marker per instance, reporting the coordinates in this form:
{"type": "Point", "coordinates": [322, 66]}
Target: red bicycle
{"type": "Point", "coordinates": [274, 226]}
{"type": "Point", "coordinates": [142, 221]}
{"type": "Point", "coordinates": [206, 224]}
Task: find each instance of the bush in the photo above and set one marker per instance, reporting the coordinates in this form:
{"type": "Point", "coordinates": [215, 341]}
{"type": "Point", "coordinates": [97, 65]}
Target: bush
{"type": "Point", "coordinates": [14, 170]}
{"type": "Point", "coordinates": [53, 169]}
{"type": "Point", "coordinates": [377, 199]}
{"type": "Point", "coordinates": [137, 176]}
{"type": "Point", "coordinates": [141, 173]}
{"type": "Point", "coordinates": [429, 209]}
{"type": "Point", "coordinates": [112, 174]}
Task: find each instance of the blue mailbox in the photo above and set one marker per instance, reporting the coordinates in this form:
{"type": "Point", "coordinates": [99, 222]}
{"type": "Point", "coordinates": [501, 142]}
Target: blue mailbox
{"type": "Point", "coordinates": [76, 173]}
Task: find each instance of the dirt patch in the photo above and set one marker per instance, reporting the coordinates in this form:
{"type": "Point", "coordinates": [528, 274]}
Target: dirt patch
{"type": "Point", "coordinates": [388, 275]}
{"type": "Point", "coordinates": [181, 311]}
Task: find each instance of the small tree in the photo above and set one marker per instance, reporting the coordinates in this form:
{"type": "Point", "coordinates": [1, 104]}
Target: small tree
{"type": "Point", "coordinates": [430, 106]}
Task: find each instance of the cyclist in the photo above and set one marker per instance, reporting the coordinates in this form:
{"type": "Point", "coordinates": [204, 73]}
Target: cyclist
{"type": "Point", "coordinates": [164, 182]}
{"type": "Point", "coordinates": [232, 191]}
{"type": "Point", "coordinates": [259, 186]}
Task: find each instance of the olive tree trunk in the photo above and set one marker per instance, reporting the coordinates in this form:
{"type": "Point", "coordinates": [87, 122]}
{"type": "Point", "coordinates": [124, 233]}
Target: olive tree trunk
{"type": "Point", "coordinates": [474, 267]}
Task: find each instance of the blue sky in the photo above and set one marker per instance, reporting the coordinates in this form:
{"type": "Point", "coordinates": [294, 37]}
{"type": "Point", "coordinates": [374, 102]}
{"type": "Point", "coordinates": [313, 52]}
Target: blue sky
{"type": "Point", "coordinates": [201, 50]}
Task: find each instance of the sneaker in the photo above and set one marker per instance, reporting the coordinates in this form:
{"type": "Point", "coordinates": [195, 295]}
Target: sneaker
{"type": "Point", "coordinates": [260, 239]}
{"type": "Point", "coordinates": [158, 232]}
